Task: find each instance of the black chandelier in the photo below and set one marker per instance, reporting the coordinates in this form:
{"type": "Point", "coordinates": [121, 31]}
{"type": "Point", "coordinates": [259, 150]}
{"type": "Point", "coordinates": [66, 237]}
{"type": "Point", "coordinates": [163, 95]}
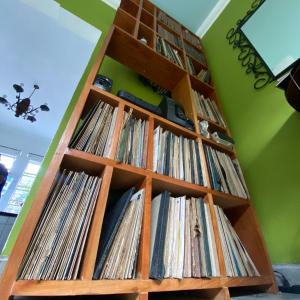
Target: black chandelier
{"type": "Point", "coordinates": [22, 107]}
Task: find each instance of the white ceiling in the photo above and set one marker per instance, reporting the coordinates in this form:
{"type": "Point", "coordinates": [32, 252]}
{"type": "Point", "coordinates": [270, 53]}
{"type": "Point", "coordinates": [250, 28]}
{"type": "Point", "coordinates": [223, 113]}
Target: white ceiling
{"type": "Point", "coordinates": [44, 44]}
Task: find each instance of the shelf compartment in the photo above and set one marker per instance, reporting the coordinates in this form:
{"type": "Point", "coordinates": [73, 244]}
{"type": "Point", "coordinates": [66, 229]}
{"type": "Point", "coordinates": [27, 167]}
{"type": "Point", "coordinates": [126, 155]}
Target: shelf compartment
{"type": "Point", "coordinates": [168, 21]}
{"type": "Point", "coordinates": [175, 50]}
{"type": "Point", "coordinates": [146, 33]}
{"type": "Point", "coordinates": [125, 21]}
{"type": "Point", "coordinates": [147, 19]}
{"type": "Point", "coordinates": [158, 119]}
{"type": "Point", "coordinates": [148, 6]}
{"type": "Point", "coordinates": [191, 38]}
{"type": "Point", "coordinates": [130, 7]}
{"type": "Point", "coordinates": [201, 86]}
{"type": "Point", "coordinates": [167, 34]}
{"type": "Point", "coordinates": [213, 126]}
{"type": "Point", "coordinates": [130, 52]}
{"type": "Point", "coordinates": [121, 182]}
{"type": "Point", "coordinates": [244, 222]}
{"type": "Point", "coordinates": [195, 53]}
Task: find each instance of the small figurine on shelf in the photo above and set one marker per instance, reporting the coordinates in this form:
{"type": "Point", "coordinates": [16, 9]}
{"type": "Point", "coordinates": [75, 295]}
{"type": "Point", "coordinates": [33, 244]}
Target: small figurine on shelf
{"type": "Point", "coordinates": [204, 129]}
{"type": "Point", "coordinates": [143, 40]}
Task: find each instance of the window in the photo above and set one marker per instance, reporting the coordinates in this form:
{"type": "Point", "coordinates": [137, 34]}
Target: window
{"type": "Point", "coordinates": [8, 161]}
{"type": "Point", "coordinates": [23, 187]}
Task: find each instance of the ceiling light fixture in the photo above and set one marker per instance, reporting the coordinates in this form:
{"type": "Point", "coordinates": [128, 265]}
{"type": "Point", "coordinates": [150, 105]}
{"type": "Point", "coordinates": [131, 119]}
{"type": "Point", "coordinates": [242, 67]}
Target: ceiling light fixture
{"type": "Point", "coordinates": [23, 107]}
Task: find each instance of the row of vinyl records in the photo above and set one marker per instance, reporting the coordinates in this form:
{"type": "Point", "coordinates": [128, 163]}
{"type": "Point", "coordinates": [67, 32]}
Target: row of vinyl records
{"type": "Point", "coordinates": [203, 75]}
{"type": "Point", "coordinates": [169, 22]}
{"type": "Point", "coordinates": [182, 242]}
{"type": "Point", "coordinates": [175, 26]}
{"type": "Point", "coordinates": [175, 156]}
{"type": "Point", "coordinates": [194, 53]}
{"type": "Point", "coordinates": [172, 38]}
{"type": "Point", "coordinates": [168, 51]}
{"type": "Point", "coordinates": [207, 108]}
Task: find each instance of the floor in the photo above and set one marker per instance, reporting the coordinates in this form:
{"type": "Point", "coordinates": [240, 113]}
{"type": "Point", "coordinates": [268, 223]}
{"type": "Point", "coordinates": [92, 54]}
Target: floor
{"type": "Point", "coordinates": [279, 296]}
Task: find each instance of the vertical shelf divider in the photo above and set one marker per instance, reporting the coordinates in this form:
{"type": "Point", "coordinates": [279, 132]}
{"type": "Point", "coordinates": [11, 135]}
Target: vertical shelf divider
{"type": "Point", "coordinates": [89, 258]}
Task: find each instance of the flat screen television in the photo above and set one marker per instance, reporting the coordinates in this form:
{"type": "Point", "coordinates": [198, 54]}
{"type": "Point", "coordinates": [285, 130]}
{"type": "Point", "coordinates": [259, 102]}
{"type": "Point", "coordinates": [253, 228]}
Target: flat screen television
{"type": "Point", "coordinates": [273, 31]}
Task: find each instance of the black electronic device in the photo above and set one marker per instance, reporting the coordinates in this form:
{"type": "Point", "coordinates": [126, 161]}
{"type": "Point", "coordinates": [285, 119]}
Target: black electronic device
{"type": "Point", "coordinates": [168, 108]}
{"type": "Point", "coordinates": [103, 82]}
{"type": "Point", "coordinates": [175, 113]}
{"type": "Point", "coordinates": [139, 102]}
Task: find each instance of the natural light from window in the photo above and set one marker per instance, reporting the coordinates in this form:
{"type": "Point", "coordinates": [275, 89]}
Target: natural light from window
{"type": "Point", "coordinates": [23, 187]}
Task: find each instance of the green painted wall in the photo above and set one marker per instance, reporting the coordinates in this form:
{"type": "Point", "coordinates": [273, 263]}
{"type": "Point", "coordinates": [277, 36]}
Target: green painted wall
{"type": "Point", "coordinates": [266, 131]}
{"type": "Point", "coordinates": [100, 15]}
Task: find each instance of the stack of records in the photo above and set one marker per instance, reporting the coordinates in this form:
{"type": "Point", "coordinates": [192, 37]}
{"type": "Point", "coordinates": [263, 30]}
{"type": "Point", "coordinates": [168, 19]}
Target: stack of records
{"type": "Point", "coordinates": [166, 50]}
{"type": "Point", "coordinates": [162, 17]}
{"type": "Point", "coordinates": [204, 76]}
{"type": "Point", "coordinates": [177, 156]}
{"type": "Point", "coordinates": [56, 247]}
{"type": "Point", "coordinates": [207, 108]}
{"type": "Point", "coordinates": [182, 238]}
{"type": "Point", "coordinates": [237, 260]}
{"type": "Point", "coordinates": [195, 54]}
{"type": "Point", "coordinates": [194, 40]}
{"type": "Point", "coordinates": [225, 174]}
{"type": "Point", "coordinates": [133, 142]}
{"type": "Point", "coordinates": [120, 237]}
{"type": "Point", "coordinates": [95, 133]}
{"type": "Point", "coordinates": [169, 36]}
{"type": "Point", "coordinates": [190, 66]}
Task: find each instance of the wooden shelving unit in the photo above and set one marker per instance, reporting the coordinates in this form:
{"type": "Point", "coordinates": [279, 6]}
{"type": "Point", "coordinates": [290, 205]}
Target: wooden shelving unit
{"type": "Point", "coordinates": [136, 19]}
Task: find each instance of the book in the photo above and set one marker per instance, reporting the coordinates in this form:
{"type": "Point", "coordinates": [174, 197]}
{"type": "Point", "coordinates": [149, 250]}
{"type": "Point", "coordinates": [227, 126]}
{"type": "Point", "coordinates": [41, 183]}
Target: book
{"type": "Point", "coordinates": [56, 247]}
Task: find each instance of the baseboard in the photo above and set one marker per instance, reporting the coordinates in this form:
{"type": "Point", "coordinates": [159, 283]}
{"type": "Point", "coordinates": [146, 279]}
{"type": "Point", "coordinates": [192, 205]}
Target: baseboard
{"type": "Point", "coordinates": [290, 271]}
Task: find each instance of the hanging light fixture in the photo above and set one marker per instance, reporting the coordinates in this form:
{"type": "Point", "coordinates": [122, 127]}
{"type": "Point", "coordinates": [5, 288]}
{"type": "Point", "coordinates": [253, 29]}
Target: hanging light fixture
{"type": "Point", "coordinates": [22, 107]}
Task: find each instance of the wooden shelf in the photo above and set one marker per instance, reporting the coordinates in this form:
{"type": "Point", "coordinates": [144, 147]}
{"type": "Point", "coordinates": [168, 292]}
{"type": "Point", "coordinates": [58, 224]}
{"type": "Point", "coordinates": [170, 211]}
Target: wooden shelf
{"type": "Point", "coordinates": [147, 19]}
{"type": "Point", "coordinates": [160, 70]}
{"type": "Point", "coordinates": [218, 146]}
{"type": "Point", "coordinates": [97, 92]}
{"type": "Point", "coordinates": [134, 20]}
{"type": "Point", "coordinates": [201, 86]}
{"type": "Point", "coordinates": [94, 287]}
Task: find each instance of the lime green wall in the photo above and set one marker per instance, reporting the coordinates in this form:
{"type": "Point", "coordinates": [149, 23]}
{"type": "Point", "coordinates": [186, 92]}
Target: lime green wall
{"type": "Point", "coordinates": [100, 15]}
{"type": "Point", "coordinates": [266, 131]}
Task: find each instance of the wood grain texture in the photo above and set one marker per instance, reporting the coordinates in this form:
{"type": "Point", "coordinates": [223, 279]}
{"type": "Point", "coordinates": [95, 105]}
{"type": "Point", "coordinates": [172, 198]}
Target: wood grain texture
{"type": "Point", "coordinates": [94, 287]}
